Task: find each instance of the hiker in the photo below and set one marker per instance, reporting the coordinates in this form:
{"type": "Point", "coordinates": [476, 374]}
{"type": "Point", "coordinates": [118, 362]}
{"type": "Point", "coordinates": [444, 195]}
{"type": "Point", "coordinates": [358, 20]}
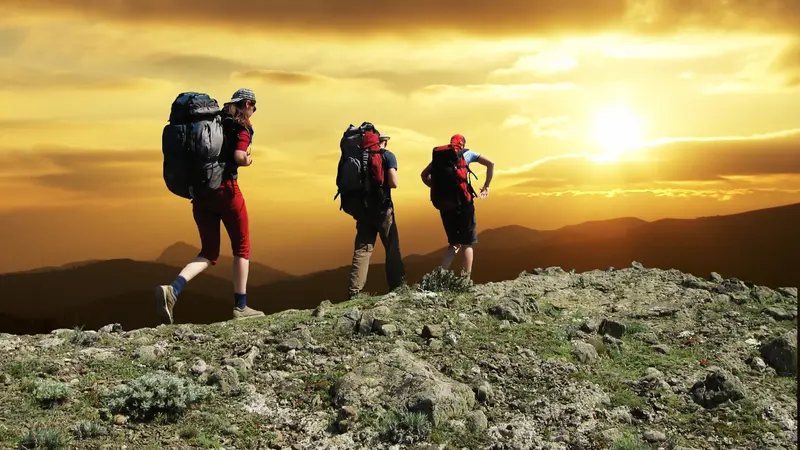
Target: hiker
{"type": "Point", "coordinates": [225, 204]}
{"type": "Point", "coordinates": [451, 193]}
{"type": "Point", "coordinates": [370, 203]}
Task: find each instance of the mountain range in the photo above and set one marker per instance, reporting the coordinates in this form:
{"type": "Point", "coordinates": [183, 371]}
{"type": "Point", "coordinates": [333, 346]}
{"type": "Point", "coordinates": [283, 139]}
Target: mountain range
{"type": "Point", "coordinates": [758, 246]}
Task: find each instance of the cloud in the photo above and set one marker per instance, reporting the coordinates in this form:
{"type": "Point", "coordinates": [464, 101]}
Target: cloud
{"type": "Point", "coordinates": [423, 17]}
{"type": "Point", "coordinates": [281, 77]}
{"type": "Point", "coordinates": [324, 16]}
{"type": "Point", "coordinates": [29, 78]}
{"type": "Point", "coordinates": [788, 64]}
{"type": "Point", "coordinates": [124, 173]}
{"type": "Point", "coordinates": [200, 66]}
{"type": "Point", "coordinates": [11, 39]}
{"type": "Point", "coordinates": [545, 126]}
{"type": "Point", "coordinates": [670, 165]}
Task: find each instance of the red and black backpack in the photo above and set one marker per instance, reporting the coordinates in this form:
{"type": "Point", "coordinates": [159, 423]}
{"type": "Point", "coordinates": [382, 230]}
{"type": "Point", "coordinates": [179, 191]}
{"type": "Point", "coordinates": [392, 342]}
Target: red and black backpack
{"type": "Point", "coordinates": [450, 182]}
{"type": "Point", "coordinates": [360, 176]}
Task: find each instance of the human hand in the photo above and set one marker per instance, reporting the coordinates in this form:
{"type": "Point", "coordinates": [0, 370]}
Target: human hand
{"type": "Point", "coordinates": [484, 192]}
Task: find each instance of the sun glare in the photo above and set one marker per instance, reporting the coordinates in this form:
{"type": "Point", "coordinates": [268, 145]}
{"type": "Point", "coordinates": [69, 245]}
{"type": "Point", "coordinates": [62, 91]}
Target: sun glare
{"type": "Point", "coordinates": [616, 130]}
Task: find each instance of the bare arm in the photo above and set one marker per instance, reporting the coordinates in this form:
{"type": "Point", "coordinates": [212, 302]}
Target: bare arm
{"type": "Point", "coordinates": [489, 169]}
{"type": "Point", "coordinates": [242, 158]}
{"type": "Point", "coordinates": [392, 178]}
{"type": "Point", "coordinates": [489, 174]}
{"type": "Point", "coordinates": [426, 175]}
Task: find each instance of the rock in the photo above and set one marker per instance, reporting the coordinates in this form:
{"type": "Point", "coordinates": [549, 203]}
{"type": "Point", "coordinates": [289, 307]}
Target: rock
{"type": "Point", "coordinates": [226, 379]}
{"type": "Point", "coordinates": [477, 422]}
{"type": "Point", "coordinates": [661, 348]}
{"type": "Point", "coordinates": [322, 309]}
{"type": "Point", "coordinates": [584, 352]}
{"type": "Point", "coordinates": [399, 380]}
{"type": "Point", "coordinates": [347, 416]}
{"type": "Point", "coordinates": [50, 342]}
{"type": "Point", "coordinates": [715, 278]}
{"type": "Point", "coordinates": [366, 321]}
{"type": "Point", "coordinates": [719, 386]}
{"type": "Point", "coordinates": [98, 354]}
{"type": "Point", "coordinates": [781, 353]}
{"type": "Point", "coordinates": [349, 321]}
{"type": "Point", "coordinates": [146, 353]}
{"type": "Point", "coordinates": [756, 364]}
{"type": "Point", "coordinates": [790, 292]}
{"type": "Point", "coordinates": [387, 329]}
{"type": "Point", "coordinates": [779, 313]}
{"type": "Point", "coordinates": [612, 328]}
{"type": "Point", "coordinates": [654, 436]}
{"type": "Point", "coordinates": [483, 392]}
{"type": "Point", "coordinates": [199, 367]}
{"type": "Point", "coordinates": [289, 344]}
{"type": "Point", "coordinates": [432, 331]}
{"type": "Point", "coordinates": [590, 326]}
{"type": "Point", "coordinates": [111, 328]}
{"type": "Point", "coordinates": [612, 435]}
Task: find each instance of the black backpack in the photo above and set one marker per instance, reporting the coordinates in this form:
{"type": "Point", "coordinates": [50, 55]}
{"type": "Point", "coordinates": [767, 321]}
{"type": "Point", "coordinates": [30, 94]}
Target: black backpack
{"type": "Point", "coordinates": [192, 144]}
{"type": "Point", "coordinates": [450, 178]}
{"type": "Point", "coordinates": [360, 174]}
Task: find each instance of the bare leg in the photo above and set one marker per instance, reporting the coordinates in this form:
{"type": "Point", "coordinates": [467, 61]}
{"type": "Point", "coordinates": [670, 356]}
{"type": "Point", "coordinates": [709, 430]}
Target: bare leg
{"type": "Point", "coordinates": [466, 259]}
{"type": "Point", "coordinates": [449, 256]}
{"type": "Point", "coordinates": [241, 269]}
{"type": "Point", "coordinates": [194, 268]}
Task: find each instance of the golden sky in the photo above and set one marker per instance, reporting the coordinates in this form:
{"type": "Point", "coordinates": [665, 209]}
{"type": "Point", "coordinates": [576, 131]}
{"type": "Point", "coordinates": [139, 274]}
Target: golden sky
{"type": "Point", "coordinates": [590, 110]}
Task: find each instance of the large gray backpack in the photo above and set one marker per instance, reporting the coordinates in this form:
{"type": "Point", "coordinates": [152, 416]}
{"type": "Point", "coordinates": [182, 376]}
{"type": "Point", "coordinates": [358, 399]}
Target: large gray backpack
{"type": "Point", "coordinates": [192, 144]}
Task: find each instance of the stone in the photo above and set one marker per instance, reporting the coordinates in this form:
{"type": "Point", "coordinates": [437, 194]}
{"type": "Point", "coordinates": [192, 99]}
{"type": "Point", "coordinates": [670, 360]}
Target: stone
{"type": "Point", "coordinates": [654, 436]}
{"type": "Point", "coordinates": [718, 387]}
{"type": "Point", "coordinates": [584, 352]}
{"type": "Point", "coordinates": [612, 328]}
{"type": "Point", "coordinates": [779, 313]}
{"type": "Point", "coordinates": [400, 380]}
{"type": "Point", "coordinates": [781, 353]}
{"type": "Point", "coordinates": [477, 422]}
{"type": "Point", "coordinates": [432, 331]}
{"type": "Point", "coordinates": [199, 367]}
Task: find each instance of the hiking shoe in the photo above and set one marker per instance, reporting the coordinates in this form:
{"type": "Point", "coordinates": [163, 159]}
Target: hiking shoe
{"type": "Point", "coordinates": [165, 301]}
{"type": "Point", "coordinates": [246, 313]}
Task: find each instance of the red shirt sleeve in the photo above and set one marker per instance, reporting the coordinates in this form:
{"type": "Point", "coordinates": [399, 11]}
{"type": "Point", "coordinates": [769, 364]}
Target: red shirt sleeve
{"type": "Point", "coordinates": [244, 140]}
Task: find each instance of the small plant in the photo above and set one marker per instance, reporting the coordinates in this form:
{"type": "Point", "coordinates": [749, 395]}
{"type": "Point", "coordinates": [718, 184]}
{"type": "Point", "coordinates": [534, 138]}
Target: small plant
{"type": "Point", "coordinates": [81, 338]}
{"type": "Point", "coordinates": [629, 443]}
{"type": "Point", "coordinates": [156, 393]}
{"type": "Point", "coordinates": [405, 427]}
{"type": "Point", "coordinates": [442, 280]}
{"type": "Point", "coordinates": [44, 438]}
{"type": "Point", "coordinates": [87, 429]}
{"type": "Point", "coordinates": [49, 393]}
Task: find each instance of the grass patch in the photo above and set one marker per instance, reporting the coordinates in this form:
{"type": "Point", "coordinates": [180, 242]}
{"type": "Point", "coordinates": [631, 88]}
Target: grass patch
{"type": "Point", "coordinates": [405, 427]}
{"type": "Point", "coordinates": [629, 443]}
{"type": "Point", "coordinates": [44, 438]}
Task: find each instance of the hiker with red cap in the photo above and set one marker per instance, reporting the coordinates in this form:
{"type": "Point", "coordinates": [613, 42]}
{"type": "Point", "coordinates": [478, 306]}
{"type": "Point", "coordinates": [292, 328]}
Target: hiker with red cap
{"type": "Point", "coordinates": [451, 193]}
{"type": "Point", "coordinates": [365, 177]}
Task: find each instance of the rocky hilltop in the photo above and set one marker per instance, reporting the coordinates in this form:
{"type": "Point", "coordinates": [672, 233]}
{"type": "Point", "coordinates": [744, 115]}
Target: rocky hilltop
{"type": "Point", "coordinates": [618, 359]}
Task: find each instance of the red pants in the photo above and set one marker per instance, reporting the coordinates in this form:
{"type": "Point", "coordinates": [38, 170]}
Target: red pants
{"type": "Point", "coordinates": [226, 204]}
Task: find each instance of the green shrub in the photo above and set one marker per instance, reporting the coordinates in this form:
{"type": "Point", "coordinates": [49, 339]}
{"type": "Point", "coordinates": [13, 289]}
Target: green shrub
{"type": "Point", "coordinates": [442, 280]}
{"type": "Point", "coordinates": [87, 429]}
{"type": "Point", "coordinates": [156, 393]}
{"type": "Point", "coordinates": [44, 438]}
{"type": "Point", "coordinates": [49, 393]}
{"type": "Point", "coordinates": [405, 427]}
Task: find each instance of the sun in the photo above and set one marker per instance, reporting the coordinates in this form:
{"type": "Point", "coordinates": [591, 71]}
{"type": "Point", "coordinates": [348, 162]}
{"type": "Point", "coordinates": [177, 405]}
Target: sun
{"type": "Point", "coordinates": [616, 130]}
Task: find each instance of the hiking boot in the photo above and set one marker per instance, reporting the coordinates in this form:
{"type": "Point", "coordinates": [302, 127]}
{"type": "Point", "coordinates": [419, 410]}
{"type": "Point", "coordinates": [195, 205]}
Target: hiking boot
{"type": "Point", "coordinates": [246, 313]}
{"type": "Point", "coordinates": [165, 301]}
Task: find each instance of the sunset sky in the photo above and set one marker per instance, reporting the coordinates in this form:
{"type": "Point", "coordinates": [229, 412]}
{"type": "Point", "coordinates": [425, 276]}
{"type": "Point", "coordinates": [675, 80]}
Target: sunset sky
{"type": "Point", "coordinates": [590, 110]}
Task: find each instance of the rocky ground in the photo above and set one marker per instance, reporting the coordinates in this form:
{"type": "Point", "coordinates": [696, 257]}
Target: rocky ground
{"type": "Point", "coordinates": [618, 359]}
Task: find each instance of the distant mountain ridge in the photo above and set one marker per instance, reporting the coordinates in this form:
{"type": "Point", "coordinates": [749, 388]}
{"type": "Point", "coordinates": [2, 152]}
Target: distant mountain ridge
{"type": "Point", "coordinates": [758, 246]}
{"type": "Point", "coordinates": [180, 253]}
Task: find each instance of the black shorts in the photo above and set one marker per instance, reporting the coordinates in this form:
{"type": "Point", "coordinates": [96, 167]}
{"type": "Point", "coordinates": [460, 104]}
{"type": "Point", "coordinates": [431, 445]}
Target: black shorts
{"type": "Point", "coordinates": [460, 226]}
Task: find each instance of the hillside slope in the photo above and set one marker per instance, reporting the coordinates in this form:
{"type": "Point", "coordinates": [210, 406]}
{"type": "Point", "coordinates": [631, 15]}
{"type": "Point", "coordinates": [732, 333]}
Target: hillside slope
{"type": "Point", "coordinates": [624, 359]}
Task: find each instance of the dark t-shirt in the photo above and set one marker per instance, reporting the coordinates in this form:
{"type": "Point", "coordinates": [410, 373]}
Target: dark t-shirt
{"type": "Point", "coordinates": [389, 162]}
